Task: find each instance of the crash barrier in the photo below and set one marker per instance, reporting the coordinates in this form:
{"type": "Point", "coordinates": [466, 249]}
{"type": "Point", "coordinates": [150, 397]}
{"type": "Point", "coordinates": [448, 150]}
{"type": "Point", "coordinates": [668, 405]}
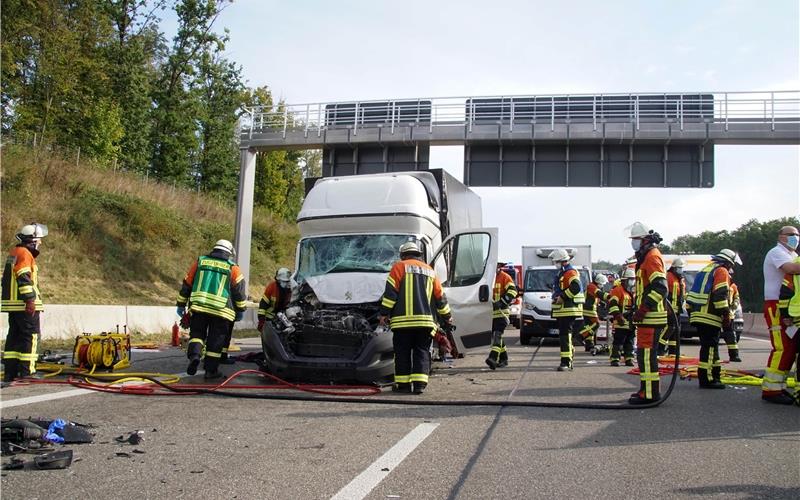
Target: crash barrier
{"type": "Point", "coordinates": [65, 321]}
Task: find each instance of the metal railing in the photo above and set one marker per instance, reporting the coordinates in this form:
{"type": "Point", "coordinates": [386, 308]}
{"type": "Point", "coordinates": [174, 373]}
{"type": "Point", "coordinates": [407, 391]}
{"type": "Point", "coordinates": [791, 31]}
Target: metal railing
{"type": "Point", "coordinates": [678, 108]}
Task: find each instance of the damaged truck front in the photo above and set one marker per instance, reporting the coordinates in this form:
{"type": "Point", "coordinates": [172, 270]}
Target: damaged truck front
{"type": "Point", "coordinates": [351, 229]}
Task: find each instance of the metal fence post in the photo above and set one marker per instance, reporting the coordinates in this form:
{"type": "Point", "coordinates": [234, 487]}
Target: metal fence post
{"type": "Point", "coordinates": [319, 119]}
{"type": "Point", "coordinates": [308, 113]}
{"type": "Point", "coordinates": [726, 111]}
{"type": "Point", "coordinates": [552, 113]}
{"type": "Point", "coordinates": [285, 120]}
{"type": "Point", "coordinates": [772, 105]}
{"type": "Point", "coordinates": [511, 125]}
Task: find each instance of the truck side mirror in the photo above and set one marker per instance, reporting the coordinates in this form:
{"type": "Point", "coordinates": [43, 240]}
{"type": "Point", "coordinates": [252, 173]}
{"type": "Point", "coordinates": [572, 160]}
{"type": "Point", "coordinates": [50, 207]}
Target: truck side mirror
{"type": "Point", "coordinates": [483, 293]}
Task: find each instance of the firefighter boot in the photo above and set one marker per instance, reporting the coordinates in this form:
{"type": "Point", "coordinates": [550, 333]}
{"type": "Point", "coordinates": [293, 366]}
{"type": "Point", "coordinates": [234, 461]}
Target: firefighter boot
{"type": "Point", "coordinates": [733, 354]}
{"type": "Point", "coordinates": [493, 360]}
{"type": "Point", "coordinates": [705, 382]}
{"type": "Point", "coordinates": [614, 355]}
{"type": "Point", "coordinates": [640, 398]}
{"type": "Point", "coordinates": [404, 387]}
{"type": "Point", "coordinates": [418, 387]}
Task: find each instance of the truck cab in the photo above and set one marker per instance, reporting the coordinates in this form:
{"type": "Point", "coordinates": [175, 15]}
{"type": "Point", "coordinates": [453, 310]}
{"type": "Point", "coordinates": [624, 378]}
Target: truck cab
{"type": "Point", "coordinates": [351, 230]}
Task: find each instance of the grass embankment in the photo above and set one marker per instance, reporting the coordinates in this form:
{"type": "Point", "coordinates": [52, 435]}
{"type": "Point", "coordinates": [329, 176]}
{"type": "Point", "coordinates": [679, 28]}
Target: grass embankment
{"type": "Point", "coordinates": [116, 238]}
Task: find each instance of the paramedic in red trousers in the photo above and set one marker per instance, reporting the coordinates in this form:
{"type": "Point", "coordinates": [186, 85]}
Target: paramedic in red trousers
{"type": "Point", "coordinates": [778, 262]}
{"type": "Point", "coordinates": [710, 313]}
{"type": "Point", "coordinates": [23, 303]}
{"type": "Point", "coordinates": [591, 323]}
{"type": "Point", "coordinates": [789, 306]}
{"type": "Point", "coordinates": [215, 291]}
{"type": "Point", "coordinates": [503, 295]}
{"type": "Point", "coordinates": [620, 308]}
{"type": "Point", "coordinates": [276, 297]}
{"type": "Point", "coordinates": [412, 300]}
{"type": "Point", "coordinates": [568, 301]}
{"type": "Point", "coordinates": [676, 295]}
{"type": "Point", "coordinates": [650, 315]}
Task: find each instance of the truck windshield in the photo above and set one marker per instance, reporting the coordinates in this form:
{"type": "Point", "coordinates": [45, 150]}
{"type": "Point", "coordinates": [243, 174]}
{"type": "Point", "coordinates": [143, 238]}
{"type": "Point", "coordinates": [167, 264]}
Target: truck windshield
{"type": "Point", "coordinates": [350, 253]}
{"type": "Point", "coordinates": [542, 280]}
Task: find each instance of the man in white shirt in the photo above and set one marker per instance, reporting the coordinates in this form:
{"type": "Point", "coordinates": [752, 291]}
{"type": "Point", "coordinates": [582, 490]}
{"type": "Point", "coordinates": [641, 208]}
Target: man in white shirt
{"type": "Point", "coordinates": [778, 261]}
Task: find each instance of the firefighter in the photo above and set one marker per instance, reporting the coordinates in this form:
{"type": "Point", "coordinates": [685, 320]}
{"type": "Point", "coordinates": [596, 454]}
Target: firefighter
{"type": "Point", "coordinates": [709, 312]}
{"type": "Point", "coordinates": [215, 291]}
{"type": "Point", "coordinates": [728, 334]}
{"type": "Point", "coordinates": [620, 308]}
{"type": "Point", "coordinates": [411, 301]}
{"type": "Point", "coordinates": [676, 293]}
{"type": "Point", "coordinates": [789, 307]}
{"type": "Point", "coordinates": [504, 292]}
{"type": "Point", "coordinates": [779, 261]}
{"type": "Point", "coordinates": [276, 297]}
{"type": "Point", "coordinates": [650, 315]}
{"type": "Point", "coordinates": [568, 300]}
{"type": "Point", "coordinates": [22, 301]}
{"type": "Point", "coordinates": [591, 322]}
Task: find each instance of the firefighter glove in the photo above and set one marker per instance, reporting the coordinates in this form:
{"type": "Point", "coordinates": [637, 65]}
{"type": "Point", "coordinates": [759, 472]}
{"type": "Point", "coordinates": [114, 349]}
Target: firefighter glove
{"type": "Point", "coordinates": [30, 307]}
{"type": "Point", "coordinates": [239, 315]}
{"type": "Point", "coordinates": [639, 315]}
{"type": "Point", "coordinates": [261, 323]}
{"type": "Point", "coordinates": [180, 310]}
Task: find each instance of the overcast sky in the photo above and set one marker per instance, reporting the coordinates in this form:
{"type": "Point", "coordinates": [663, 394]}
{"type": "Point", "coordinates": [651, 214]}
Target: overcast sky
{"type": "Point", "coordinates": [324, 51]}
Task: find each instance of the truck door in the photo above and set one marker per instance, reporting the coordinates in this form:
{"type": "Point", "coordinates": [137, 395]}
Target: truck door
{"type": "Point", "coordinates": [465, 264]}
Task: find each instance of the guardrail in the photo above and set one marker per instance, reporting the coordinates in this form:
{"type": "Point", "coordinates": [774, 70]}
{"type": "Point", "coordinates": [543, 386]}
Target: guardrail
{"type": "Point", "coordinates": [678, 108]}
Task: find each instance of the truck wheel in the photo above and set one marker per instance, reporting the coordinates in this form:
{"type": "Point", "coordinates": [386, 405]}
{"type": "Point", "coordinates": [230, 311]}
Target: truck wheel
{"type": "Point", "coordinates": [524, 337]}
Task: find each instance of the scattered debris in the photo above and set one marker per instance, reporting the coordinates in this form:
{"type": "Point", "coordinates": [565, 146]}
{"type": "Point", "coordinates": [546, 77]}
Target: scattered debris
{"type": "Point", "coordinates": [47, 461]}
{"type": "Point", "coordinates": [135, 437]}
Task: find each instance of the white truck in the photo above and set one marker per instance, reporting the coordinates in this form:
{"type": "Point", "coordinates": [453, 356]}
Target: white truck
{"type": "Point", "coordinates": [351, 228]}
{"type": "Point", "coordinates": [539, 278]}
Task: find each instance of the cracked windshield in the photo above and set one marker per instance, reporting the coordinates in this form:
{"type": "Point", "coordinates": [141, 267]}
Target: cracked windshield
{"type": "Point", "coordinates": [349, 253]}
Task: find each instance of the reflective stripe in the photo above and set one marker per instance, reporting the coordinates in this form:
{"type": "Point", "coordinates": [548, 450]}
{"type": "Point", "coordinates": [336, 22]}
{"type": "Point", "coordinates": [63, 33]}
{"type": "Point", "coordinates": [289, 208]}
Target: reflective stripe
{"type": "Point", "coordinates": [418, 377]}
{"type": "Point", "coordinates": [213, 354]}
{"type": "Point", "coordinates": [402, 379]}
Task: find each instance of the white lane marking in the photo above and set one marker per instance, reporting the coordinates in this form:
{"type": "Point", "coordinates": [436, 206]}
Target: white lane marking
{"type": "Point", "coordinates": [757, 340]}
{"type": "Point", "coordinates": [365, 482]}
{"type": "Point", "coordinates": [43, 397]}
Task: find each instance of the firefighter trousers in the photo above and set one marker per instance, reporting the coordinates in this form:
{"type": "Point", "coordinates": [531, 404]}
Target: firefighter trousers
{"type": "Point", "coordinates": [567, 327]}
{"type": "Point", "coordinates": [498, 354]}
{"type": "Point", "coordinates": [730, 340]}
{"type": "Point", "coordinates": [209, 332]}
{"type": "Point", "coordinates": [19, 356]}
{"type": "Point", "coordinates": [785, 352]}
{"type": "Point", "coordinates": [647, 357]}
{"type": "Point", "coordinates": [412, 356]}
{"type": "Point", "coordinates": [709, 368]}
{"type": "Point", "coordinates": [589, 332]}
{"type": "Point", "coordinates": [623, 344]}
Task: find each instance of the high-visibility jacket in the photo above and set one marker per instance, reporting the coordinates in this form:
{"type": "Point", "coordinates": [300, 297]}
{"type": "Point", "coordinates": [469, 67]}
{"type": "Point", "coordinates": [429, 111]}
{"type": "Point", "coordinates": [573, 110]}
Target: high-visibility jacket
{"type": "Point", "coordinates": [215, 286]}
{"type": "Point", "coordinates": [594, 294]}
{"type": "Point", "coordinates": [733, 298]}
{"type": "Point", "coordinates": [709, 296]}
{"type": "Point", "coordinates": [568, 287]}
{"type": "Point", "coordinates": [676, 291]}
{"type": "Point", "coordinates": [20, 281]}
{"type": "Point", "coordinates": [412, 294]}
{"type": "Point", "coordinates": [620, 302]}
{"type": "Point", "coordinates": [504, 292]}
{"type": "Point", "coordinates": [789, 298]}
{"type": "Point", "coordinates": [275, 300]}
{"type": "Point", "coordinates": [651, 287]}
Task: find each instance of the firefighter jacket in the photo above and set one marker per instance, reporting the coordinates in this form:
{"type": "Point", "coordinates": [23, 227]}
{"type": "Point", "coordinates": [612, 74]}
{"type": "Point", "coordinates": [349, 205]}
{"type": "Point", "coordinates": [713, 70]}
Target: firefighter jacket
{"type": "Point", "coordinates": [20, 281]}
{"type": "Point", "coordinates": [789, 298]}
{"type": "Point", "coordinates": [708, 300]}
{"type": "Point", "coordinates": [568, 287]}
{"type": "Point", "coordinates": [676, 291]}
{"type": "Point", "coordinates": [214, 285]}
{"type": "Point", "coordinates": [594, 294]}
{"type": "Point", "coordinates": [413, 296]}
{"type": "Point", "coordinates": [620, 307]}
{"type": "Point", "coordinates": [651, 287]}
{"type": "Point", "coordinates": [504, 293]}
{"type": "Point", "coordinates": [733, 298]}
{"type": "Point", "coordinates": [275, 300]}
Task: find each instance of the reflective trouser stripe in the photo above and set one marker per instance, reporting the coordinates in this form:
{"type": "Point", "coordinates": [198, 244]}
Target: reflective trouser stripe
{"type": "Point", "coordinates": [418, 377]}
{"type": "Point", "coordinates": [402, 379]}
{"type": "Point", "coordinates": [783, 351]}
{"type": "Point", "coordinates": [213, 354]}
{"type": "Point", "coordinates": [646, 373]}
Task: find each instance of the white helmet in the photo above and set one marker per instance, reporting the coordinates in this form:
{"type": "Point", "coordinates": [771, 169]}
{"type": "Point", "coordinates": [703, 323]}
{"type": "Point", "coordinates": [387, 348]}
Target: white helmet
{"type": "Point", "coordinates": [31, 232]}
{"type": "Point", "coordinates": [639, 230]}
{"type": "Point", "coordinates": [283, 275]}
{"type": "Point", "coordinates": [727, 256]}
{"type": "Point", "coordinates": [628, 273]}
{"type": "Point", "coordinates": [410, 247]}
{"type": "Point", "coordinates": [226, 246]}
{"type": "Point", "coordinates": [559, 255]}
{"type": "Point", "coordinates": [678, 262]}
{"type": "Point", "coordinates": [600, 279]}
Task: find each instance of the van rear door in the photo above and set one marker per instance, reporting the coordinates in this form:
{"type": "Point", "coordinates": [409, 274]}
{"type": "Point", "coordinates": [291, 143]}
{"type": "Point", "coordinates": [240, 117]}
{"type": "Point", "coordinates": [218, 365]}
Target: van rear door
{"type": "Point", "coordinates": [466, 264]}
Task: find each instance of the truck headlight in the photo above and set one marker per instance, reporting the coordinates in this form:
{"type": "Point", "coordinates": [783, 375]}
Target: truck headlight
{"type": "Point", "coordinates": [527, 306]}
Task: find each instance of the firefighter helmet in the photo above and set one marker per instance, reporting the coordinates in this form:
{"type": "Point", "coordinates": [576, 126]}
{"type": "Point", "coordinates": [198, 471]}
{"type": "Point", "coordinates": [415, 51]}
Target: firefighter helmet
{"type": "Point", "coordinates": [559, 255]}
{"type": "Point", "coordinates": [628, 273]}
{"type": "Point", "coordinates": [283, 275]}
{"type": "Point", "coordinates": [225, 245]}
{"type": "Point", "coordinates": [409, 248]}
{"type": "Point", "coordinates": [678, 262]}
{"type": "Point", "coordinates": [727, 256]}
{"type": "Point", "coordinates": [600, 279]}
{"type": "Point", "coordinates": [31, 232]}
{"type": "Point", "coordinates": [639, 230]}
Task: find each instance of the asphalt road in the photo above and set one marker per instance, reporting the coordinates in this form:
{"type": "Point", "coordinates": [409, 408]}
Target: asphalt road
{"type": "Point", "coordinates": [699, 443]}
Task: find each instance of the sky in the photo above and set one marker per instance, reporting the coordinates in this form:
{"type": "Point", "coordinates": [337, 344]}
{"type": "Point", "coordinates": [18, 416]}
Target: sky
{"type": "Point", "coordinates": [344, 50]}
